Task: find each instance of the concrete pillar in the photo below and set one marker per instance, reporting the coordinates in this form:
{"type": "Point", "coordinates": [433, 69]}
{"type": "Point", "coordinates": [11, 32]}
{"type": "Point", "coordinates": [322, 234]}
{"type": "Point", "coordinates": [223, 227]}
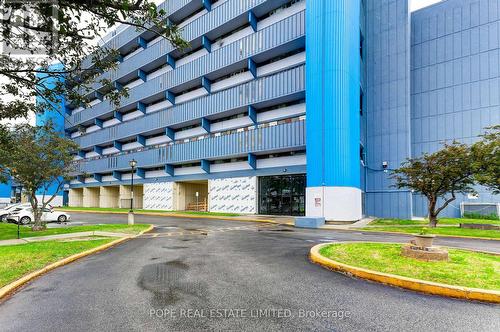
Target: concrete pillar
{"type": "Point", "coordinates": [76, 197]}
{"type": "Point", "coordinates": [125, 195]}
{"type": "Point", "coordinates": [109, 197]}
{"type": "Point", "coordinates": [333, 118]}
{"type": "Point", "coordinates": [91, 197]}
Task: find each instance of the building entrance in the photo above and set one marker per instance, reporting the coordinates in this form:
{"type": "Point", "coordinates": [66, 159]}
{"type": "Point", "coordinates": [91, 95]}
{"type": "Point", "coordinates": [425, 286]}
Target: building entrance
{"type": "Point", "coordinates": [282, 195]}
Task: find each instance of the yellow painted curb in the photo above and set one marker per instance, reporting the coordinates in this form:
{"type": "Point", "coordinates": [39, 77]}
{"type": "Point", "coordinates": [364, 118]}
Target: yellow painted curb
{"type": "Point", "coordinates": [7, 289]}
{"type": "Point", "coordinates": [176, 215]}
{"type": "Point", "coordinates": [418, 285]}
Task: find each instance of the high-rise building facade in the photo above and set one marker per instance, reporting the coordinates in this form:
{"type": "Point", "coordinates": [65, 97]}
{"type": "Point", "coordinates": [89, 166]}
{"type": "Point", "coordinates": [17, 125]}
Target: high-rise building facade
{"type": "Point", "coordinates": [288, 107]}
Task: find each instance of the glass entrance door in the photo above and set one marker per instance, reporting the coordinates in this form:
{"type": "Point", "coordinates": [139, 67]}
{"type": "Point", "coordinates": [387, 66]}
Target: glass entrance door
{"type": "Point", "coordinates": [282, 195]}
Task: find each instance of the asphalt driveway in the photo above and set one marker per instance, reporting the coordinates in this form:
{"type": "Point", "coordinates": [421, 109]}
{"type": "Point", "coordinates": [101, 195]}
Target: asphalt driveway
{"type": "Point", "coordinates": [195, 274]}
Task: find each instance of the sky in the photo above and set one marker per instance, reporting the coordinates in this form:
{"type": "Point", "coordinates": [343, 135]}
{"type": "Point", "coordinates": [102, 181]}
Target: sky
{"type": "Point", "coordinates": [417, 4]}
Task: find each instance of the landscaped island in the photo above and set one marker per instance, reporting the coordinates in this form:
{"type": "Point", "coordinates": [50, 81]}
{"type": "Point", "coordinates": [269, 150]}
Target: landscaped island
{"type": "Point", "coordinates": [464, 268]}
{"type": "Point", "coordinates": [446, 226]}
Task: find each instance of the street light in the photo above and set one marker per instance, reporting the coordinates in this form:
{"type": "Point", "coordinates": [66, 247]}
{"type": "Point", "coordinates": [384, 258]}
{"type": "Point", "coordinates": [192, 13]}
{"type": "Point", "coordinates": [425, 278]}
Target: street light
{"type": "Point", "coordinates": [132, 164]}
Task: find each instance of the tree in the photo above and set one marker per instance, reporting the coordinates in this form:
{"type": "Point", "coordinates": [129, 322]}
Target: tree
{"type": "Point", "coordinates": [40, 160]}
{"type": "Point", "coordinates": [486, 156]}
{"type": "Point", "coordinates": [65, 31]}
{"type": "Point", "coordinates": [438, 176]}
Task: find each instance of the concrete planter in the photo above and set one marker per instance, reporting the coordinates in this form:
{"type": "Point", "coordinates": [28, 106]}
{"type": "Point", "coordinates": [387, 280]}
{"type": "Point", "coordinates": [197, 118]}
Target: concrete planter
{"type": "Point", "coordinates": [424, 241]}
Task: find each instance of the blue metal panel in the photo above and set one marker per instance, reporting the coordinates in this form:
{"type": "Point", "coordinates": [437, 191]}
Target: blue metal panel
{"type": "Point", "coordinates": [252, 160]}
{"type": "Point", "coordinates": [117, 115]}
{"type": "Point", "coordinates": [252, 19]}
{"type": "Point", "coordinates": [53, 112]}
{"type": "Point", "coordinates": [207, 4]}
{"type": "Point", "coordinates": [333, 90]}
{"type": "Point", "coordinates": [98, 122]}
{"type": "Point", "coordinates": [170, 133]}
{"type": "Point", "coordinates": [67, 110]}
{"type": "Point", "coordinates": [171, 61]}
{"type": "Point", "coordinates": [252, 114]}
{"type": "Point", "coordinates": [81, 154]}
{"type": "Point", "coordinates": [141, 172]}
{"type": "Point", "coordinates": [455, 83]}
{"type": "Point", "coordinates": [269, 87]}
{"type": "Point", "coordinates": [170, 169]}
{"type": "Point", "coordinates": [205, 165]}
{"type": "Point", "coordinates": [205, 124]}
{"type": "Point", "coordinates": [117, 145]}
{"type": "Point", "coordinates": [252, 67]}
{"type": "Point", "coordinates": [98, 150]}
{"type": "Point", "coordinates": [170, 96]}
{"type": "Point", "coordinates": [142, 75]}
{"type": "Point", "coordinates": [207, 44]}
{"type": "Point", "coordinates": [97, 177]}
{"type": "Point", "coordinates": [141, 140]}
{"type": "Point", "coordinates": [80, 178]}
{"type": "Point", "coordinates": [120, 58]}
{"type": "Point", "coordinates": [5, 190]}
{"type": "Point", "coordinates": [142, 42]}
{"type": "Point", "coordinates": [118, 86]}
{"type": "Point", "coordinates": [205, 82]}
{"type": "Point", "coordinates": [117, 175]}
{"type": "Point", "coordinates": [141, 107]}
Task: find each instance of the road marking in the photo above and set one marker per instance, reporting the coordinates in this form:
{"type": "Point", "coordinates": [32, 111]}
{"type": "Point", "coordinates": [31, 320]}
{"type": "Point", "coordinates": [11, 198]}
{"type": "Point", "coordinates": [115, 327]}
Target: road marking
{"type": "Point", "coordinates": [205, 231]}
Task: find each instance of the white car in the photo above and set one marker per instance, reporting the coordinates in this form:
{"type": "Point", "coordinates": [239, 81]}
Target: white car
{"type": "Point", "coordinates": [24, 215]}
{"type": "Point", "coordinates": [8, 209]}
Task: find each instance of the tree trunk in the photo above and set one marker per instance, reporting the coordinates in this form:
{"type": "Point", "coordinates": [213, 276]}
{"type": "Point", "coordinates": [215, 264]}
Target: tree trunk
{"type": "Point", "coordinates": [432, 221]}
{"type": "Point", "coordinates": [38, 224]}
{"type": "Point", "coordinates": [432, 213]}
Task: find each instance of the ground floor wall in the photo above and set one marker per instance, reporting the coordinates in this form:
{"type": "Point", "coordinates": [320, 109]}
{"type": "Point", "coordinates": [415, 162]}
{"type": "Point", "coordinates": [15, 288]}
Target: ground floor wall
{"type": "Point", "coordinates": [233, 195]}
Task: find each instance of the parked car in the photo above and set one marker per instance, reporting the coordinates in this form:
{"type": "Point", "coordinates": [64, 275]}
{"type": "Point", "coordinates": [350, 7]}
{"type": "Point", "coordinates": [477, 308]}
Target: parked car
{"type": "Point", "coordinates": [24, 215]}
{"type": "Point", "coordinates": [8, 209]}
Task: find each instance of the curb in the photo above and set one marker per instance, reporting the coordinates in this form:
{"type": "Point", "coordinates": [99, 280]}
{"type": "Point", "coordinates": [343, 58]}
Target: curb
{"type": "Point", "coordinates": [418, 285]}
{"type": "Point", "coordinates": [437, 235]}
{"type": "Point", "coordinates": [9, 288]}
{"type": "Point", "coordinates": [176, 215]}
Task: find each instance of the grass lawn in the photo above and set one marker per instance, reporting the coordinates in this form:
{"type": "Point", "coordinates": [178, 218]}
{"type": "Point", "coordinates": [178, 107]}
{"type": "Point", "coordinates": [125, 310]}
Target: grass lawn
{"type": "Point", "coordinates": [9, 231]}
{"type": "Point", "coordinates": [465, 268]}
{"type": "Point", "coordinates": [19, 260]}
{"type": "Point", "coordinates": [446, 226]}
{"type": "Point", "coordinates": [443, 221]}
{"type": "Point", "coordinates": [221, 214]}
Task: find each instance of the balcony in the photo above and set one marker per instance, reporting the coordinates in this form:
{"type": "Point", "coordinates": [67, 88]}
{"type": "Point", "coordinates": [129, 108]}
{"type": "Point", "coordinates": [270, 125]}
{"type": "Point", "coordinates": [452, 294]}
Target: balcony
{"type": "Point", "coordinates": [129, 34]}
{"type": "Point", "coordinates": [261, 90]}
{"type": "Point", "coordinates": [288, 136]}
{"type": "Point", "coordinates": [279, 34]}
{"type": "Point", "coordinates": [226, 12]}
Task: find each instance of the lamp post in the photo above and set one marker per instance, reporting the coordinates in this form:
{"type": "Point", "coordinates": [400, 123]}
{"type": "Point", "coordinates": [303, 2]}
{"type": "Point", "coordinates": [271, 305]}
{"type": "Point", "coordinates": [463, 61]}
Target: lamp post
{"type": "Point", "coordinates": [132, 164]}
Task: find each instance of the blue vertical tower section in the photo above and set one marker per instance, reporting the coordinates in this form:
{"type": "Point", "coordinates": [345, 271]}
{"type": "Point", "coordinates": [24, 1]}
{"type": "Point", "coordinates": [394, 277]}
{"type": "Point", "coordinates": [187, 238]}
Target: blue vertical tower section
{"type": "Point", "coordinates": [54, 114]}
{"type": "Point", "coordinates": [333, 102]}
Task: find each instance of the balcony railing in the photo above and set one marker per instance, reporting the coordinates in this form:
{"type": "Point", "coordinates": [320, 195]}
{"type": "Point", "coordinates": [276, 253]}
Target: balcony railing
{"type": "Point", "coordinates": [278, 34]}
{"type": "Point", "coordinates": [282, 137]}
{"type": "Point", "coordinates": [279, 85]}
{"type": "Point", "coordinates": [226, 12]}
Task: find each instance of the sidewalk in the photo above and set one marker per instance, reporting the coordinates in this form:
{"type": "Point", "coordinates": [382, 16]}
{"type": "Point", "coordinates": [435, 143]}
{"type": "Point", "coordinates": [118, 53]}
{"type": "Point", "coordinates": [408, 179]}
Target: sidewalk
{"type": "Point", "coordinates": [62, 237]}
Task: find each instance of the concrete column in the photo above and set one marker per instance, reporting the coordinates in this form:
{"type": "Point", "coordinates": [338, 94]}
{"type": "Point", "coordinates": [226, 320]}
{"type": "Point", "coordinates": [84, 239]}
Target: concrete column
{"type": "Point", "coordinates": [91, 197]}
{"type": "Point", "coordinates": [125, 195]}
{"type": "Point", "coordinates": [76, 197]}
{"type": "Point", "coordinates": [109, 197]}
{"type": "Point", "coordinates": [333, 117]}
